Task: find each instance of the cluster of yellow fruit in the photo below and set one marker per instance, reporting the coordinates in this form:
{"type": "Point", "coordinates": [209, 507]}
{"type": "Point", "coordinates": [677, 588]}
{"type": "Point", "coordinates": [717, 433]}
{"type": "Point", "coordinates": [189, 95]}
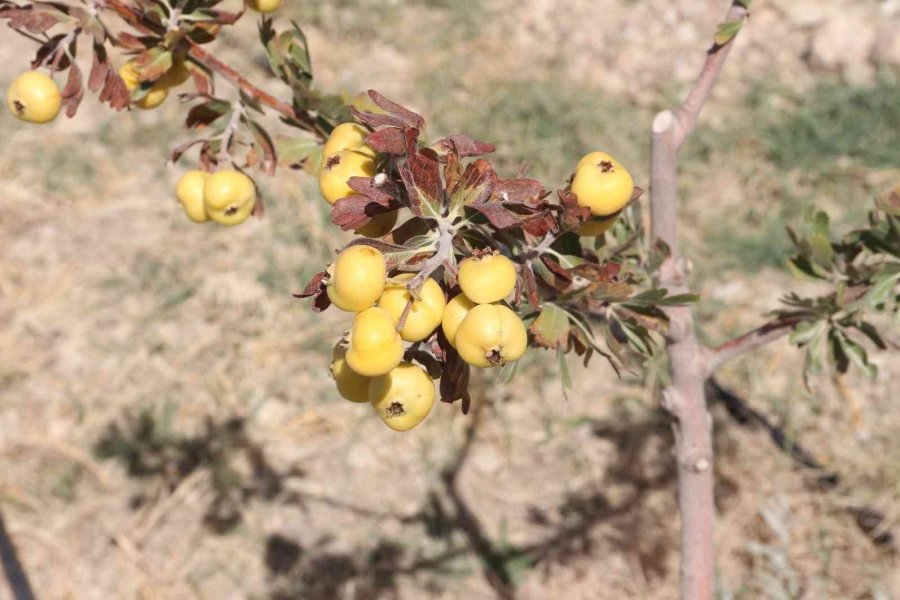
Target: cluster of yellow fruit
{"type": "Point", "coordinates": [603, 185]}
{"type": "Point", "coordinates": [368, 364]}
{"type": "Point", "coordinates": [345, 155]}
{"type": "Point", "coordinates": [226, 197]}
{"type": "Point", "coordinates": [33, 96]}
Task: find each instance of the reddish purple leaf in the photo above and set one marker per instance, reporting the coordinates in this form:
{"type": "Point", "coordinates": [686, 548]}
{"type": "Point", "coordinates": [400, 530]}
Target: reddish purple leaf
{"type": "Point", "coordinates": [316, 290]}
{"type": "Point", "coordinates": [353, 212]}
{"type": "Point", "coordinates": [406, 116]}
{"type": "Point", "coordinates": [389, 140]}
{"type": "Point", "coordinates": [421, 176]}
{"type": "Point", "coordinates": [463, 145]}
{"type": "Point", "coordinates": [524, 190]}
{"type": "Point", "coordinates": [73, 92]}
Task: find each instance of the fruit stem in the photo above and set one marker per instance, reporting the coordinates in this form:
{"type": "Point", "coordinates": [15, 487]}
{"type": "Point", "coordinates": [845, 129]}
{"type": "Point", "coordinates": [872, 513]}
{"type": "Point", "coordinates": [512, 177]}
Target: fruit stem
{"type": "Point", "coordinates": [443, 252]}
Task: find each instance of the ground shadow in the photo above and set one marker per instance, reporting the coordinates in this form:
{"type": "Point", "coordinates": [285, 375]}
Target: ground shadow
{"type": "Point", "coordinates": [568, 530]}
{"type": "Point", "coordinates": [12, 567]}
{"type": "Point", "coordinates": [148, 447]}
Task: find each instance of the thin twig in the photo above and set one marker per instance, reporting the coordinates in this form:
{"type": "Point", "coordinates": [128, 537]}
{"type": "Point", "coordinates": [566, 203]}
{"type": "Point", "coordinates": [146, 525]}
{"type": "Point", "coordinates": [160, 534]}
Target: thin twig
{"type": "Point", "coordinates": [752, 340]}
{"type": "Point", "coordinates": [302, 118]}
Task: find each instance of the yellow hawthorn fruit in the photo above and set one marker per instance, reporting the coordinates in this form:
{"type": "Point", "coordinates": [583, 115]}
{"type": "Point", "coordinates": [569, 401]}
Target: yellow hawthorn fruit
{"type": "Point", "coordinates": [229, 197]}
{"type": "Point", "coordinates": [264, 6]}
{"type": "Point", "coordinates": [491, 335]}
{"type": "Point", "coordinates": [456, 310]}
{"type": "Point", "coordinates": [602, 184]}
{"type": "Point", "coordinates": [597, 225]}
{"type": "Point", "coordinates": [403, 397]}
{"type": "Point", "coordinates": [358, 277]}
{"type": "Point", "coordinates": [487, 279]}
{"type": "Point", "coordinates": [337, 171]}
{"type": "Point", "coordinates": [350, 384]}
{"type": "Point", "coordinates": [375, 346]}
{"type": "Point", "coordinates": [348, 136]}
{"type": "Point", "coordinates": [154, 97]}
{"type": "Point", "coordinates": [34, 97]}
{"type": "Point", "coordinates": [425, 313]}
{"type": "Point", "coordinates": [177, 74]}
{"type": "Point", "coordinates": [189, 191]}
{"type": "Point", "coordinates": [380, 225]}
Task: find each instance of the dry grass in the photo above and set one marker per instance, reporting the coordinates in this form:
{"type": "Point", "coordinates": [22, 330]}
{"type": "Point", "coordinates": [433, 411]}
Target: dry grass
{"type": "Point", "coordinates": [168, 429]}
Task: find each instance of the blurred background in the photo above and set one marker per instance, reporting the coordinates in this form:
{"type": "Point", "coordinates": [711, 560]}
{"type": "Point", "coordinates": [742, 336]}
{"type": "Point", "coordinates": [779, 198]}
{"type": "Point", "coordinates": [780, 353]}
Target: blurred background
{"type": "Point", "coordinates": [168, 428]}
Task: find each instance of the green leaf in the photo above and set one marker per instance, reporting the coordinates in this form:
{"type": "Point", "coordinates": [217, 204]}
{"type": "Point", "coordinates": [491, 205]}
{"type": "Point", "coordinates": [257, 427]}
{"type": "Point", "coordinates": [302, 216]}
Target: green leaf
{"type": "Point", "coordinates": [858, 356]}
{"type": "Point", "coordinates": [679, 299]}
{"type": "Point", "coordinates": [564, 375]}
{"type": "Point", "coordinates": [878, 295]}
{"type": "Point", "coordinates": [805, 332]}
{"type": "Point", "coordinates": [726, 31]}
{"type": "Point", "coordinates": [295, 150]}
{"type": "Point", "coordinates": [551, 328]}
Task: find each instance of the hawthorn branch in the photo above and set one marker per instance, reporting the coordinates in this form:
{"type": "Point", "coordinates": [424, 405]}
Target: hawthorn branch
{"type": "Point", "coordinates": [753, 339]}
{"type": "Point", "coordinates": [304, 119]}
{"type": "Point", "coordinates": [684, 398]}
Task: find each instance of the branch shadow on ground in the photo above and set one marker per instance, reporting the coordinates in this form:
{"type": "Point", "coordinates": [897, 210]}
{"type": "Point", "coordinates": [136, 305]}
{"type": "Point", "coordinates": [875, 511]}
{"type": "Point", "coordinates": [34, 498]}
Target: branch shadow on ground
{"type": "Point", "coordinates": [567, 530]}
{"type": "Point", "coordinates": [149, 448]}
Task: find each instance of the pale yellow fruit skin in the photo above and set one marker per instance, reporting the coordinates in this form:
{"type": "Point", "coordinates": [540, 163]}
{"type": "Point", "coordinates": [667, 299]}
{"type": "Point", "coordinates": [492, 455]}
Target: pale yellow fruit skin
{"type": "Point", "coordinates": [375, 346]}
{"type": "Point", "coordinates": [602, 184]}
{"type": "Point", "coordinates": [490, 336]}
{"type": "Point", "coordinates": [403, 397]}
{"type": "Point", "coordinates": [177, 74]}
{"type": "Point", "coordinates": [348, 136]}
{"type": "Point", "coordinates": [487, 279]}
{"type": "Point", "coordinates": [424, 314]}
{"type": "Point", "coordinates": [264, 6]}
{"type": "Point", "coordinates": [456, 310]}
{"type": "Point", "coordinates": [157, 94]}
{"type": "Point", "coordinates": [380, 225]}
{"type": "Point", "coordinates": [229, 197]}
{"type": "Point", "coordinates": [34, 97]}
{"type": "Point", "coordinates": [337, 171]}
{"type": "Point", "coordinates": [597, 225]}
{"type": "Point", "coordinates": [350, 385]}
{"type": "Point", "coordinates": [357, 279]}
{"type": "Point", "coordinates": [189, 191]}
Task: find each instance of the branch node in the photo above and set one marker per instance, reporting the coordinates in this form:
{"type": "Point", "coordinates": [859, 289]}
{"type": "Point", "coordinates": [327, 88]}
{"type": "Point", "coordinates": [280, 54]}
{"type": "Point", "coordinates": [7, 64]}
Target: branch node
{"type": "Point", "coordinates": [663, 122]}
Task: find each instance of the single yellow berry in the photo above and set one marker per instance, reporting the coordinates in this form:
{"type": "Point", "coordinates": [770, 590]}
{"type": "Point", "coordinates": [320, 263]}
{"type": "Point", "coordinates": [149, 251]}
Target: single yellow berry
{"type": "Point", "coordinates": [350, 384]}
{"type": "Point", "coordinates": [425, 313]}
{"type": "Point", "coordinates": [357, 279]}
{"type": "Point", "coordinates": [491, 335]}
{"type": "Point", "coordinates": [597, 225]}
{"type": "Point", "coordinates": [487, 279]}
{"type": "Point", "coordinates": [337, 171]}
{"type": "Point", "coordinates": [403, 397]}
{"type": "Point", "coordinates": [264, 6]}
{"type": "Point", "coordinates": [375, 346]}
{"type": "Point", "coordinates": [189, 191]}
{"type": "Point", "coordinates": [380, 225]}
{"type": "Point", "coordinates": [456, 310]}
{"type": "Point", "coordinates": [602, 184]}
{"type": "Point", "coordinates": [34, 97]}
{"type": "Point", "coordinates": [229, 197]}
{"type": "Point", "coordinates": [348, 136]}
